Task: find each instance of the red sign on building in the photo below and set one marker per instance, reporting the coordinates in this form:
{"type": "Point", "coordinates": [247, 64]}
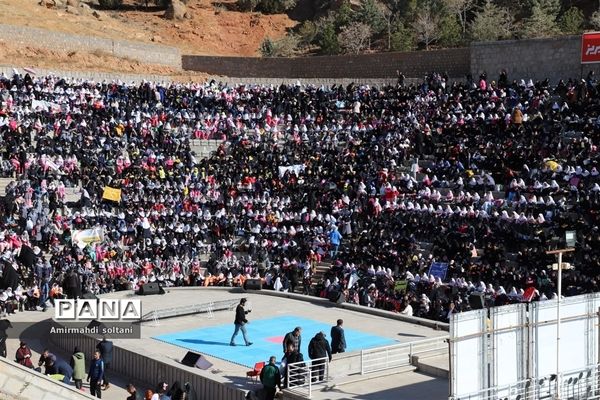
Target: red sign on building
{"type": "Point", "coordinates": [590, 48]}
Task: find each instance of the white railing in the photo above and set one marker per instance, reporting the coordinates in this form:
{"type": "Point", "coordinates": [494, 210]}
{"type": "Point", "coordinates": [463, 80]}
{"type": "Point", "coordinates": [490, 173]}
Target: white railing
{"type": "Point", "coordinates": [301, 377]}
{"type": "Point", "coordinates": [581, 384]}
{"type": "Point", "coordinates": [399, 355]}
{"type": "Point", "coordinates": [208, 308]}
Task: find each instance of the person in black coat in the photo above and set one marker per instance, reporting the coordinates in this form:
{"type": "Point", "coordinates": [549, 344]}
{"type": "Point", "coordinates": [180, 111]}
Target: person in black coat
{"type": "Point", "coordinates": [318, 349]}
{"type": "Point", "coordinates": [72, 285]}
{"type": "Point", "coordinates": [292, 356]}
{"type": "Point", "coordinates": [338, 339]}
{"type": "Point", "coordinates": [240, 323]}
{"type": "Point", "coordinates": [4, 325]}
{"type": "Point", "coordinates": [105, 347]}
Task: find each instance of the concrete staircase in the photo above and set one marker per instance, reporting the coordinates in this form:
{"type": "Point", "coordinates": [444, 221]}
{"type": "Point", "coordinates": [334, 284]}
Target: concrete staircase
{"type": "Point", "coordinates": [204, 148]}
{"type": "Point", "coordinates": [20, 383]}
{"type": "Point", "coordinates": [72, 194]}
{"type": "Point", "coordinates": [3, 184]}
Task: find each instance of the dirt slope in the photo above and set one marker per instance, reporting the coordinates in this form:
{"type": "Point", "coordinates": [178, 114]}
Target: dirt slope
{"type": "Point", "coordinates": [214, 28]}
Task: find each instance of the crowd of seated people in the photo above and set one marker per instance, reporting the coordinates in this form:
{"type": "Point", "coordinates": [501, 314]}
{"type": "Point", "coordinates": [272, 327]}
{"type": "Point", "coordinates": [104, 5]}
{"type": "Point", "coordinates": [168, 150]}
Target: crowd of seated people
{"type": "Point", "coordinates": [377, 183]}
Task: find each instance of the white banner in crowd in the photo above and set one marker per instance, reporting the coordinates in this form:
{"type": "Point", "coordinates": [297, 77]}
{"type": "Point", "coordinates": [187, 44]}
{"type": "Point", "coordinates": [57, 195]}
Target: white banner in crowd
{"type": "Point", "coordinates": [51, 164]}
{"type": "Point", "coordinates": [88, 236]}
{"type": "Point", "coordinates": [45, 105]}
{"type": "Point", "coordinates": [291, 168]}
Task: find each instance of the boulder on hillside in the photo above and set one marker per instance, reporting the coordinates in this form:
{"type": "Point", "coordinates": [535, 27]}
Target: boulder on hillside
{"type": "Point", "coordinates": [52, 3]}
{"type": "Point", "coordinates": [176, 10]}
{"type": "Point", "coordinates": [73, 3]}
{"type": "Point", "coordinates": [72, 10]}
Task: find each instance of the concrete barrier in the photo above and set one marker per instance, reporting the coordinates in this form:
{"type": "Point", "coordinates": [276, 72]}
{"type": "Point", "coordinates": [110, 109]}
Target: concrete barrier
{"type": "Point", "coordinates": [18, 382]}
{"type": "Point", "coordinates": [358, 308]}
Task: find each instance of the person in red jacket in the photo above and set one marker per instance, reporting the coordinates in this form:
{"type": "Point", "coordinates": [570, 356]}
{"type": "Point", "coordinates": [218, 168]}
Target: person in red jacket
{"type": "Point", "coordinates": [23, 355]}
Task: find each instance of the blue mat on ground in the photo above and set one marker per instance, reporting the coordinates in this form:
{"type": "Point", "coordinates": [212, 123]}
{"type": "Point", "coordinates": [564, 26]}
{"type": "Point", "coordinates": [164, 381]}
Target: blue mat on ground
{"type": "Point", "coordinates": [267, 338]}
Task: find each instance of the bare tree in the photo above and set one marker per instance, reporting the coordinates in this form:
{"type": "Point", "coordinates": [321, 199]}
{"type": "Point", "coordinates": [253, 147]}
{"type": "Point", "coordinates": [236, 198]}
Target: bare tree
{"type": "Point", "coordinates": [595, 19]}
{"type": "Point", "coordinates": [389, 17]}
{"type": "Point", "coordinates": [460, 8]}
{"type": "Point", "coordinates": [427, 27]}
{"type": "Point", "coordinates": [355, 37]}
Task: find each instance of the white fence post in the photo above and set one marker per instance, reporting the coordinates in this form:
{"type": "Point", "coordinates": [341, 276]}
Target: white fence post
{"type": "Point", "coordinates": [310, 371]}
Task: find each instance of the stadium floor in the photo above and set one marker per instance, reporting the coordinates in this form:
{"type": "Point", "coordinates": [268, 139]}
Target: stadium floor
{"type": "Point", "coordinates": [266, 336]}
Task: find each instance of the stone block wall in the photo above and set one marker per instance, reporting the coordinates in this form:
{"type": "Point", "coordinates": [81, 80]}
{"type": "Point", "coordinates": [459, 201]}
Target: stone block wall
{"type": "Point", "coordinates": [455, 62]}
{"type": "Point", "coordinates": [556, 58]}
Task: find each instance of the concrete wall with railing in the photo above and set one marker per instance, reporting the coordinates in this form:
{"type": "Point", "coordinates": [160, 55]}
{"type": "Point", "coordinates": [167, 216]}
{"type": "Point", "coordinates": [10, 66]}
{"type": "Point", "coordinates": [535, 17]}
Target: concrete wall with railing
{"type": "Point", "coordinates": [142, 368]}
{"type": "Point", "coordinates": [20, 383]}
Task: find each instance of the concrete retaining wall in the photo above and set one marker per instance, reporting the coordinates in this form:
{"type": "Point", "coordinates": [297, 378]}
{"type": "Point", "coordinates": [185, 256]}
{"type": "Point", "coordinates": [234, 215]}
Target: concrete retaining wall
{"type": "Point", "coordinates": [556, 58]}
{"type": "Point", "coordinates": [144, 368]}
{"type": "Point", "coordinates": [88, 75]}
{"type": "Point", "coordinates": [147, 53]}
{"type": "Point", "coordinates": [18, 382]}
{"type": "Point", "coordinates": [455, 62]}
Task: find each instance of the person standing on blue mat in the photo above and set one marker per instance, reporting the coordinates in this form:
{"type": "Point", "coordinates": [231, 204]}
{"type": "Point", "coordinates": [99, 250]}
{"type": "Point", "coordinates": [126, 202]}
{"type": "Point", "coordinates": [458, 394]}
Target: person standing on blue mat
{"type": "Point", "coordinates": [240, 323]}
{"type": "Point", "coordinates": [338, 339]}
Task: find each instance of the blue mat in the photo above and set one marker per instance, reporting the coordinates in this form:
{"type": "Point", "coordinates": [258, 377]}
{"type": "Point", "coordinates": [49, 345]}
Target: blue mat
{"type": "Point", "coordinates": [267, 338]}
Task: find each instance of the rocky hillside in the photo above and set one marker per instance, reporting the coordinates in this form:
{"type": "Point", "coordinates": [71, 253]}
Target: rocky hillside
{"type": "Point", "coordinates": [205, 26]}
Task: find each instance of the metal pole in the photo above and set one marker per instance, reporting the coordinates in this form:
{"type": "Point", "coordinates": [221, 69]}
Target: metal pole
{"type": "Point", "coordinates": [559, 294]}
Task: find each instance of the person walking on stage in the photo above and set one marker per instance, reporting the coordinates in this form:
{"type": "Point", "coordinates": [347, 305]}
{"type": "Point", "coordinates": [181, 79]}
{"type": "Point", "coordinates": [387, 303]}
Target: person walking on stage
{"type": "Point", "coordinates": [338, 339]}
{"type": "Point", "coordinates": [240, 323]}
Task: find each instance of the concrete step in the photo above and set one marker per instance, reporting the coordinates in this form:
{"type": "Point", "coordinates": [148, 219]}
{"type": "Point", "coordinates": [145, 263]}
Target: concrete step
{"type": "Point", "coordinates": [435, 366]}
{"type": "Point", "coordinates": [346, 380]}
{"type": "Point", "coordinates": [4, 182]}
{"type": "Point", "coordinates": [334, 384]}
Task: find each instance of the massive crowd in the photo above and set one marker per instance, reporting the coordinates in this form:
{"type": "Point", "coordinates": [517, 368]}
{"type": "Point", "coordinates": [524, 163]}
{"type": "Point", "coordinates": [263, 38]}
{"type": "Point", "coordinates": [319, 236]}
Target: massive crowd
{"type": "Point", "coordinates": [305, 175]}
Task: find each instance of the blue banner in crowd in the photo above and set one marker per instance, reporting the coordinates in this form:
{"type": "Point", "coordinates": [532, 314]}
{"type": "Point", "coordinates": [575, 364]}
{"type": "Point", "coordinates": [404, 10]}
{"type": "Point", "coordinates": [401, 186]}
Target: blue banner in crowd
{"type": "Point", "coordinates": [438, 270]}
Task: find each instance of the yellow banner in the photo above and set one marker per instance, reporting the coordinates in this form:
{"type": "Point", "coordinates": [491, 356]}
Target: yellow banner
{"type": "Point", "coordinates": [111, 194]}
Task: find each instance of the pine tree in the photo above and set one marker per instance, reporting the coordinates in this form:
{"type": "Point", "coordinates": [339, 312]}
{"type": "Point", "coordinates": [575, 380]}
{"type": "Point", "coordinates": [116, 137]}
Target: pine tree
{"type": "Point", "coordinates": [491, 23]}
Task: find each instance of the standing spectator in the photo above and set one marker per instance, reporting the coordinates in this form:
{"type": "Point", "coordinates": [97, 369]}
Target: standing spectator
{"type": "Point", "coordinates": [4, 325]}
{"type": "Point", "coordinates": [338, 339]}
{"type": "Point", "coordinates": [271, 379]}
{"type": "Point", "coordinates": [291, 356]}
{"type": "Point", "coordinates": [240, 323]}
{"type": "Point", "coordinates": [293, 338]}
{"type": "Point", "coordinates": [96, 374]}
{"type": "Point", "coordinates": [319, 348]}
{"type": "Point", "coordinates": [335, 238]}
{"type": "Point", "coordinates": [106, 351]}
{"type": "Point", "coordinates": [78, 365]}
{"type": "Point", "coordinates": [162, 392]}
{"type": "Point", "coordinates": [133, 393]}
{"type": "Point", "coordinates": [23, 355]}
